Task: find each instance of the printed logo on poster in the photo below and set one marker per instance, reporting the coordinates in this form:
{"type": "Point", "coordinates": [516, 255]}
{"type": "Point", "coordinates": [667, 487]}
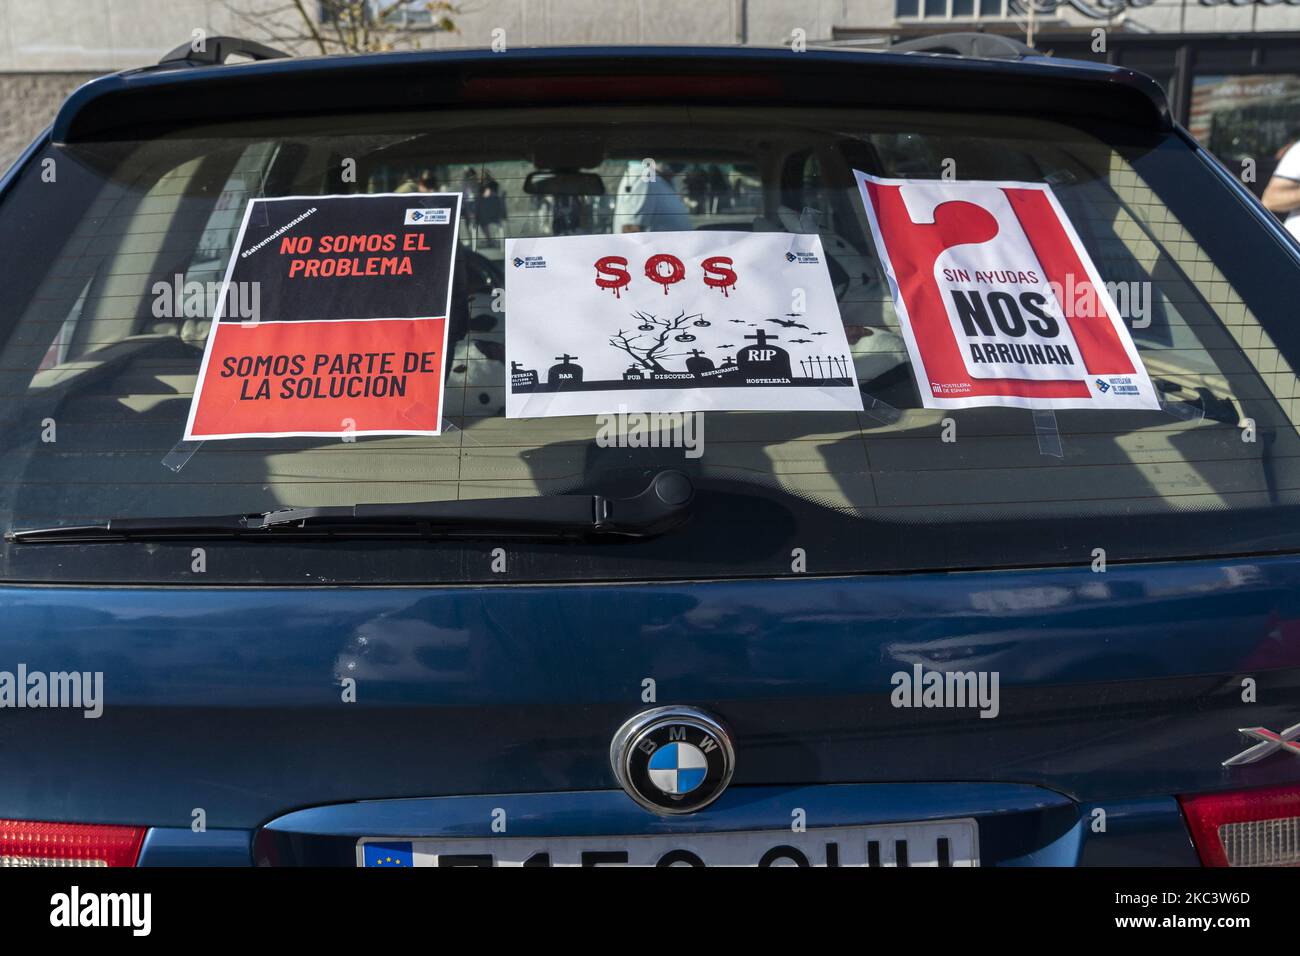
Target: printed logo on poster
{"type": "Point", "coordinates": [427, 217]}
{"type": "Point", "coordinates": [999, 301]}
{"type": "Point", "coordinates": [673, 322]}
{"type": "Point", "coordinates": [352, 335]}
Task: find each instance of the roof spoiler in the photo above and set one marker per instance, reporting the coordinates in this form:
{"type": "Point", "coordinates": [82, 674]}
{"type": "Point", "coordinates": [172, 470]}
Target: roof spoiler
{"type": "Point", "coordinates": [214, 51]}
{"type": "Point", "coordinates": [191, 92]}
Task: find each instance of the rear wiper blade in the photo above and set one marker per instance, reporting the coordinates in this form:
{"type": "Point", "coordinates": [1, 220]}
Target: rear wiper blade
{"type": "Point", "coordinates": [663, 504]}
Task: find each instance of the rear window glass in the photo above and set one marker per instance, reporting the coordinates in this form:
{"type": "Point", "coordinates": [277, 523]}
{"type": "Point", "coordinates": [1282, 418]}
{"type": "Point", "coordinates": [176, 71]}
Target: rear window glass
{"type": "Point", "coordinates": [97, 378]}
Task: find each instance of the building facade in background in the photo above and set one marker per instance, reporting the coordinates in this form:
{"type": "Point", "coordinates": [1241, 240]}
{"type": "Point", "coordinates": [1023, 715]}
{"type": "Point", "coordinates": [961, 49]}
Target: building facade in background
{"type": "Point", "coordinates": [1231, 67]}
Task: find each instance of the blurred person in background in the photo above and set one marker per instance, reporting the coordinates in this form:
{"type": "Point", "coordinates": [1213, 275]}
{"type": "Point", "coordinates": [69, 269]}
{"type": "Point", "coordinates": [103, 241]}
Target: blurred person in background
{"type": "Point", "coordinates": [697, 190]}
{"type": "Point", "coordinates": [719, 190]}
{"type": "Point", "coordinates": [645, 200]}
{"type": "Point", "coordinates": [491, 208]}
{"type": "Point", "coordinates": [1282, 194]}
{"type": "Point", "coordinates": [469, 202]}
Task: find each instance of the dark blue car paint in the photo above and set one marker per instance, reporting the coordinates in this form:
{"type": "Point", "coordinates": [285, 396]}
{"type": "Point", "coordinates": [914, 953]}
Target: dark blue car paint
{"type": "Point", "coordinates": [1115, 687]}
{"type": "Point", "coordinates": [186, 846]}
{"type": "Point", "coordinates": [1018, 823]}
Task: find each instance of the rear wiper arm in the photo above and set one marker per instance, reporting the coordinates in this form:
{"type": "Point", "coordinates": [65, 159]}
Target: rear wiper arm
{"type": "Point", "coordinates": [663, 504]}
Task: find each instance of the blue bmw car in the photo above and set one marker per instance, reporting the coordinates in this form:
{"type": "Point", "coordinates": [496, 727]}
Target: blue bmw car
{"type": "Point", "coordinates": [646, 456]}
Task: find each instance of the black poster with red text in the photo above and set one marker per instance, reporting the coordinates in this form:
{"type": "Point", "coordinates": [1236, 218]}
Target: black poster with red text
{"type": "Point", "coordinates": [332, 319]}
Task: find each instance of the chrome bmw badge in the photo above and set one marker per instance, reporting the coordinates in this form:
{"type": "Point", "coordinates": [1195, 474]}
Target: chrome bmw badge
{"type": "Point", "coordinates": [673, 759]}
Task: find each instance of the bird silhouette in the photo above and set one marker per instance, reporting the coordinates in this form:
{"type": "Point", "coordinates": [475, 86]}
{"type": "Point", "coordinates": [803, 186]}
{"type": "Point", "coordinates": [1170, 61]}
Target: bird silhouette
{"type": "Point", "coordinates": [801, 341]}
{"type": "Point", "coordinates": [737, 321]}
{"type": "Point", "coordinates": [819, 333]}
{"type": "Point", "coordinates": [787, 323]}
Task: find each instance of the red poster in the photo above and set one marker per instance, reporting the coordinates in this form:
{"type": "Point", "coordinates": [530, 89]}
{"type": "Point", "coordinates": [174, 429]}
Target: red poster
{"type": "Point", "coordinates": [332, 320]}
{"type": "Point", "coordinates": [998, 300]}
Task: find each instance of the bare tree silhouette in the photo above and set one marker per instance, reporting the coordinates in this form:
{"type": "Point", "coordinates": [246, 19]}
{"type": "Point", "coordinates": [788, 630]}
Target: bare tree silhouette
{"type": "Point", "coordinates": [304, 27]}
{"type": "Point", "coordinates": [648, 352]}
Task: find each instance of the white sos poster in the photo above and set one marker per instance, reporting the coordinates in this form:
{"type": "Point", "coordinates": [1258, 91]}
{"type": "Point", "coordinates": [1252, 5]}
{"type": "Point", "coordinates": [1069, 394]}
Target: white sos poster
{"type": "Point", "coordinates": [673, 321]}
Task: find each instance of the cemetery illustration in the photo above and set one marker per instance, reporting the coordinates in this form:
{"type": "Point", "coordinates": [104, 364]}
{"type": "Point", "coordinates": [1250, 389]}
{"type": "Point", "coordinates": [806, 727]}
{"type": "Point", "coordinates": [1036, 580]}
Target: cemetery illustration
{"type": "Point", "coordinates": [664, 352]}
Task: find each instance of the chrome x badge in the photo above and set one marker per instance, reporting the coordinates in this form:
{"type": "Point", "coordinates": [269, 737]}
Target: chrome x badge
{"type": "Point", "coordinates": [1288, 740]}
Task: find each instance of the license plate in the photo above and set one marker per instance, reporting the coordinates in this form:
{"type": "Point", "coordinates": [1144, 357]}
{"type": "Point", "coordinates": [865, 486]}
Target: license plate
{"type": "Point", "coordinates": [937, 843]}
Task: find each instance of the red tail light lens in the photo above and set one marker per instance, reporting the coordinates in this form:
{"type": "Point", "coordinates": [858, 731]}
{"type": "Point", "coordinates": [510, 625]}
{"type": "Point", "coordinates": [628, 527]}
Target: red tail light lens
{"type": "Point", "coordinates": [32, 843]}
{"type": "Point", "coordinates": [1246, 827]}
{"type": "Point", "coordinates": [605, 88]}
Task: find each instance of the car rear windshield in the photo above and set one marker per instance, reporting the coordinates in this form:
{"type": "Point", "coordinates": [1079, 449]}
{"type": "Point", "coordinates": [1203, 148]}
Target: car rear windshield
{"type": "Point", "coordinates": [114, 251]}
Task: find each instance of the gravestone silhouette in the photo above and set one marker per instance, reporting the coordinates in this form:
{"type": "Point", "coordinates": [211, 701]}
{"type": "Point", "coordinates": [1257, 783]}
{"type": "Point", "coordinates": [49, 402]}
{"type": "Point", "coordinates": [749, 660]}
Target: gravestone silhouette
{"type": "Point", "coordinates": [763, 359]}
{"type": "Point", "coordinates": [564, 372]}
{"type": "Point", "coordinates": [698, 363]}
{"type": "Point", "coordinates": [633, 374]}
{"type": "Point", "coordinates": [522, 376]}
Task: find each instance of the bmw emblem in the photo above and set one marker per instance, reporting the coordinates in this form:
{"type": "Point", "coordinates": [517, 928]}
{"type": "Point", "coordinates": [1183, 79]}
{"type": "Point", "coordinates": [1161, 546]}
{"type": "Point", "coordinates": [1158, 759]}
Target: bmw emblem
{"type": "Point", "coordinates": [673, 759]}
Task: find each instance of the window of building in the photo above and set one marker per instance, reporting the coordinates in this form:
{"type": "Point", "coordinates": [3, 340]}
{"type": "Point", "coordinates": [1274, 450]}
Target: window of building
{"type": "Point", "coordinates": [948, 9]}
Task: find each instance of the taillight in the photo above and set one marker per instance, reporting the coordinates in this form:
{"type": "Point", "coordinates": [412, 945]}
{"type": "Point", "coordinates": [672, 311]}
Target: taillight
{"type": "Point", "coordinates": [1246, 827]}
{"type": "Point", "coordinates": [604, 87]}
{"type": "Point", "coordinates": [32, 843]}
